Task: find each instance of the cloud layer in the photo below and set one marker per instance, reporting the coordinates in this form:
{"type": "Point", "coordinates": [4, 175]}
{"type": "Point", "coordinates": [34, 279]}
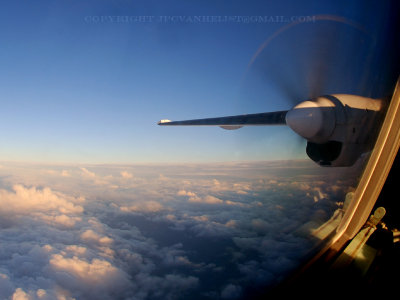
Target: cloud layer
{"type": "Point", "coordinates": [159, 232]}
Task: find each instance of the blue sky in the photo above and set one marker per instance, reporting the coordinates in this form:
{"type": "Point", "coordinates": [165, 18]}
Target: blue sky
{"type": "Point", "coordinates": [78, 88]}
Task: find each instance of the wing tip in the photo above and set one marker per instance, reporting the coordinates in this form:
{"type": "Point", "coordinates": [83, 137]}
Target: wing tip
{"type": "Point", "coordinates": [163, 122]}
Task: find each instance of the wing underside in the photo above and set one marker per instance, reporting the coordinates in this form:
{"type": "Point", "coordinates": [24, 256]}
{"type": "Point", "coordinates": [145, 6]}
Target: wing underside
{"type": "Point", "coordinates": [234, 122]}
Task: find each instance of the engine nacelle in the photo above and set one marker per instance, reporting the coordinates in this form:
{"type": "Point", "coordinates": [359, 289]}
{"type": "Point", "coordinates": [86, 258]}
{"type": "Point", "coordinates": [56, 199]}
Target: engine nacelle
{"type": "Point", "coordinates": [335, 154]}
{"type": "Point", "coordinates": [338, 128]}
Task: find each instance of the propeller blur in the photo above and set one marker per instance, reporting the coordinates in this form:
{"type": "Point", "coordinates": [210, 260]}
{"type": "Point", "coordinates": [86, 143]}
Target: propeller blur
{"type": "Point", "coordinates": [338, 128]}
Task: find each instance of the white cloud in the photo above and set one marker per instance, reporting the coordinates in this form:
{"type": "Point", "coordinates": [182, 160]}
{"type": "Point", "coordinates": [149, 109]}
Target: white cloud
{"type": "Point", "coordinates": [87, 173]}
{"type": "Point", "coordinates": [148, 206]}
{"type": "Point", "coordinates": [231, 291]}
{"type": "Point", "coordinates": [27, 200]}
{"type": "Point", "coordinates": [95, 278]}
{"type": "Point", "coordinates": [6, 286]}
{"type": "Point", "coordinates": [150, 236]}
{"type": "Point", "coordinates": [231, 223]}
{"type": "Point", "coordinates": [229, 202]}
{"type": "Point", "coordinates": [76, 250]}
{"type": "Point", "coordinates": [261, 226]}
{"type": "Point", "coordinates": [61, 220]}
{"type": "Point", "coordinates": [65, 173]}
{"type": "Point", "coordinates": [43, 204]}
{"type": "Point", "coordinates": [207, 199]}
{"type": "Point", "coordinates": [186, 193]}
{"type": "Point", "coordinates": [92, 237]}
{"type": "Point", "coordinates": [41, 293]}
{"type": "Point", "coordinates": [98, 179]}
{"type": "Point", "coordinates": [202, 218]}
{"type": "Point", "coordinates": [20, 295]}
{"type": "Point", "coordinates": [126, 175]}
{"type": "Point", "coordinates": [96, 272]}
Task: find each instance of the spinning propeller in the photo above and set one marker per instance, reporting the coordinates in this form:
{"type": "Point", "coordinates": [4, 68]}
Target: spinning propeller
{"type": "Point", "coordinates": [320, 62]}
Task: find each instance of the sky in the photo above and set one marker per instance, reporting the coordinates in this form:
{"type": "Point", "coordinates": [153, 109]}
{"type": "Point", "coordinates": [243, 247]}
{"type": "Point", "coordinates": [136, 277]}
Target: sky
{"type": "Point", "coordinates": [87, 81]}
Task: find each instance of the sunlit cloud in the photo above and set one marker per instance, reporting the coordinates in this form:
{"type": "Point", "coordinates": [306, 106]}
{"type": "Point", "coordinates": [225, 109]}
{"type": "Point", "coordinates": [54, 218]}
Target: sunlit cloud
{"type": "Point", "coordinates": [65, 173]}
{"type": "Point", "coordinates": [148, 206]}
{"type": "Point", "coordinates": [95, 273]}
{"type": "Point", "coordinates": [186, 193]}
{"type": "Point", "coordinates": [97, 232]}
{"type": "Point", "coordinates": [89, 236]}
{"type": "Point", "coordinates": [46, 205]}
{"type": "Point", "coordinates": [126, 175]}
{"type": "Point", "coordinates": [87, 173]}
{"type": "Point", "coordinates": [207, 199]}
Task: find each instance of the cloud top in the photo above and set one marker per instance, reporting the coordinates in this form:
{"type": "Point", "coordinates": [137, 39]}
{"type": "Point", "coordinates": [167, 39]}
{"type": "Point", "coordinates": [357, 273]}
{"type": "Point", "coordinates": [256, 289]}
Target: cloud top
{"type": "Point", "coordinates": [204, 232]}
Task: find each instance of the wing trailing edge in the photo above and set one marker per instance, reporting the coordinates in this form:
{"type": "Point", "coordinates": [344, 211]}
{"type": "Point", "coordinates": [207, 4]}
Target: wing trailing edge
{"type": "Point", "coordinates": [234, 122]}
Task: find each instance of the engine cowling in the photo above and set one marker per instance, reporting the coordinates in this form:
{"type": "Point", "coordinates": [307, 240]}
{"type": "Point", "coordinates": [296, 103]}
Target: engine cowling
{"type": "Point", "coordinates": [336, 154]}
{"type": "Point", "coordinates": [338, 128]}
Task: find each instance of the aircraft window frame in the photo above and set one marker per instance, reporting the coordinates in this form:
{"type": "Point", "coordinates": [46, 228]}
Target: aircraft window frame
{"type": "Point", "coordinates": [373, 177]}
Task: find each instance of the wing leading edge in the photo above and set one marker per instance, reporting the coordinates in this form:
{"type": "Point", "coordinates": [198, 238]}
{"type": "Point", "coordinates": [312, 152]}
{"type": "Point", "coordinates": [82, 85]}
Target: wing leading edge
{"type": "Point", "coordinates": [234, 122]}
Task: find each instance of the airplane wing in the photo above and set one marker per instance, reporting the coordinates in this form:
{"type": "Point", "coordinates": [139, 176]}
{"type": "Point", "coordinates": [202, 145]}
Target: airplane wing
{"type": "Point", "coordinates": [234, 122]}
